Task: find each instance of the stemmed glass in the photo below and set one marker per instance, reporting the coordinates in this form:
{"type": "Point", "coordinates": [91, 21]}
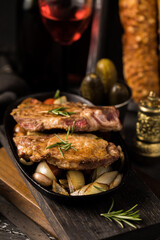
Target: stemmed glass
{"type": "Point", "coordinates": [66, 20]}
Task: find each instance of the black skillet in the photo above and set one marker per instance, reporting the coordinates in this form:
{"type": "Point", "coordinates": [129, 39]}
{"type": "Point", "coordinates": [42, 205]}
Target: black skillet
{"type": "Point", "coordinates": [27, 171]}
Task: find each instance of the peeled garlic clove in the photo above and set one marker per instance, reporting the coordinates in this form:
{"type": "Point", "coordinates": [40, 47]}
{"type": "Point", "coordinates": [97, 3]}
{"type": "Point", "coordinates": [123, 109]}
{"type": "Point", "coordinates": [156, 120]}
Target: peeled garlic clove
{"type": "Point", "coordinates": [107, 178]}
{"type": "Point", "coordinates": [75, 180]}
{"type": "Point", "coordinates": [42, 179]}
{"type": "Point", "coordinates": [45, 169]}
{"type": "Point", "coordinates": [116, 181]}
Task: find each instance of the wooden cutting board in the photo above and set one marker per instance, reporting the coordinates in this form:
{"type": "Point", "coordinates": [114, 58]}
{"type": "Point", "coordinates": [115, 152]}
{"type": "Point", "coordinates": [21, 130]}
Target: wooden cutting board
{"type": "Point", "coordinates": [13, 188]}
{"type": "Point", "coordinates": [82, 220]}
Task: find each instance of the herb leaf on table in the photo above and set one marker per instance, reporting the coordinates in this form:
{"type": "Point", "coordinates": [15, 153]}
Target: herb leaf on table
{"type": "Point", "coordinates": [122, 216]}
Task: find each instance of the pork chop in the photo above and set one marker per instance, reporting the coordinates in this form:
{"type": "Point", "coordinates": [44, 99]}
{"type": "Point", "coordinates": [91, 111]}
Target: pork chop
{"type": "Point", "coordinates": [34, 115]}
{"type": "Point", "coordinates": [86, 151]}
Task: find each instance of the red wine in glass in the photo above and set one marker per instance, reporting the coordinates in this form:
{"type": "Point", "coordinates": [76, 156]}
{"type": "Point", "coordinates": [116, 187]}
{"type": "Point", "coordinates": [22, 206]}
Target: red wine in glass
{"type": "Point", "coordinates": [66, 24]}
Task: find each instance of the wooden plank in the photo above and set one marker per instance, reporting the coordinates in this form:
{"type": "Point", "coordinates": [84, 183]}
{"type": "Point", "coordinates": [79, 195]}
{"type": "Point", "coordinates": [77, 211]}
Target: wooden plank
{"type": "Point", "coordinates": [15, 190]}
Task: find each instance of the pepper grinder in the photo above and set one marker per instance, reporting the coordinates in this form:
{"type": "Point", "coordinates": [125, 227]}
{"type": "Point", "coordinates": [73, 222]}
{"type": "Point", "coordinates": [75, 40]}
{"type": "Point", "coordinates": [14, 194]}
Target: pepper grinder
{"type": "Point", "coordinates": [147, 142]}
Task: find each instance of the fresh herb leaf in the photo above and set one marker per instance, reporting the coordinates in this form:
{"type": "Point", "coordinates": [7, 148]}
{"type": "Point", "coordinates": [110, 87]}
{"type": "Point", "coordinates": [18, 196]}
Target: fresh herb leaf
{"type": "Point", "coordinates": [61, 152]}
{"type": "Point", "coordinates": [63, 145]}
{"type": "Point", "coordinates": [60, 111]}
{"type": "Point", "coordinates": [54, 145]}
{"type": "Point", "coordinates": [68, 132]}
{"type": "Point", "coordinates": [122, 216]}
{"type": "Point", "coordinates": [73, 128]}
{"type": "Point", "coordinates": [57, 94]}
{"type": "Point", "coordinates": [98, 138]}
{"type": "Point", "coordinates": [99, 188]}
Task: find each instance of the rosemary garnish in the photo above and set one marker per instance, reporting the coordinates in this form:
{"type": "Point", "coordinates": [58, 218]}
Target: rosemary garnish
{"type": "Point", "coordinates": [63, 145]}
{"type": "Point", "coordinates": [57, 94]}
{"type": "Point", "coordinates": [60, 111]}
{"type": "Point", "coordinates": [99, 188]}
{"type": "Point", "coordinates": [73, 128]}
{"type": "Point", "coordinates": [98, 138]}
{"type": "Point", "coordinates": [122, 216]}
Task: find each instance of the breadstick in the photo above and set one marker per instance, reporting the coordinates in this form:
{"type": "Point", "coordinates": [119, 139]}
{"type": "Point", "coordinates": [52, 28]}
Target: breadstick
{"type": "Point", "coordinates": [139, 41]}
{"type": "Point", "coordinates": [158, 5]}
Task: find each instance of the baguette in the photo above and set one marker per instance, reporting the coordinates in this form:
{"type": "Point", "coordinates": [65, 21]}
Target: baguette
{"type": "Point", "coordinates": [139, 41]}
{"type": "Point", "coordinates": [158, 4]}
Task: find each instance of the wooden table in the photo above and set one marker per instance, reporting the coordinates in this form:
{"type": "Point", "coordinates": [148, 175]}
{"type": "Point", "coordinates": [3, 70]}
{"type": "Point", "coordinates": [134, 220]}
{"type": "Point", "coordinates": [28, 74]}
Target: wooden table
{"type": "Point", "coordinates": [76, 222]}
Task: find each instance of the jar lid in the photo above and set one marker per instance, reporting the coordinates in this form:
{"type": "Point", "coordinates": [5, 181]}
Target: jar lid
{"type": "Point", "coordinates": [151, 104]}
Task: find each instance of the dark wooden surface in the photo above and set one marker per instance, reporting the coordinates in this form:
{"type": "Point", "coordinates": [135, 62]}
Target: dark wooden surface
{"type": "Point", "coordinates": [25, 227]}
{"type": "Point", "coordinates": [8, 230]}
{"type": "Point", "coordinates": [82, 220]}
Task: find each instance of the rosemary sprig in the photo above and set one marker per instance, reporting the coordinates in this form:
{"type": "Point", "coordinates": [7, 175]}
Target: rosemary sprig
{"type": "Point", "coordinates": [63, 145]}
{"type": "Point", "coordinates": [123, 216]}
{"type": "Point", "coordinates": [60, 111]}
{"type": "Point", "coordinates": [57, 94]}
{"type": "Point", "coordinates": [72, 131]}
{"type": "Point", "coordinates": [69, 128]}
{"type": "Point", "coordinates": [99, 188]}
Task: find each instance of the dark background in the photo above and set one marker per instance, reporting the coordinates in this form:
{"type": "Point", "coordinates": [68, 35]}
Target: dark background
{"type": "Point", "coordinates": [36, 58]}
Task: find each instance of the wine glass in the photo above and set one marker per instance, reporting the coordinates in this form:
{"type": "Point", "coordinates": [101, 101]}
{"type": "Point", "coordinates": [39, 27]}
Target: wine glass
{"type": "Point", "coordinates": [66, 20]}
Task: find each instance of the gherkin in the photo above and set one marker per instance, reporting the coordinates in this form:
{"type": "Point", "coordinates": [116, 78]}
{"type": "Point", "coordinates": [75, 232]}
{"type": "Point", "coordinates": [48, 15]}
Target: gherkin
{"type": "Point", "coordinates": [118, 93]}
{"type": "Point", "coordinates": [107, 73]}
{"type": "Point", "coordinates": [92, 88]}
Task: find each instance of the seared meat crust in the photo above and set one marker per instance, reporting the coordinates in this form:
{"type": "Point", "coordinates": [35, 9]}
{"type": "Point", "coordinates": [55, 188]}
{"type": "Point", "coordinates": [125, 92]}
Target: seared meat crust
{"type": "Point", "coordinates": [91, 151]}
{"type": "Point", "coordinates": [33, 115]}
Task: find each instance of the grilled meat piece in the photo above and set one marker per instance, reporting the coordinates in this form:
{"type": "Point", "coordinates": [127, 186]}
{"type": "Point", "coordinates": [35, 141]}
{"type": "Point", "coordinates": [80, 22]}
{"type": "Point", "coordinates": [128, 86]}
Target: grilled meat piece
{"type": "Point", "coordinates": [33, 115]}
{"type": "Point", "coordinates": [88, 151]}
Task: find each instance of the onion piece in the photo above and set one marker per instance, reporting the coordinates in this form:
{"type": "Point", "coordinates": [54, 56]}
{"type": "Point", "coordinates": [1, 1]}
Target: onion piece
{"type": "Point", "coordinates": [75, 180]}
{"type": "Point", "coordinates": [99, 171]}
{"type": "Point", "coordinates": [64, 183]}
{"type": "Point", "coordinates": [57, 188]}
{"type": "Point", "coordinates": [91, 188]}
{"type": "Point", "coordinates": [107, 178]}
{"type": "Point", "coordinates": [116, 181]}
{"type": "Point", "coordinates": [95, 188]}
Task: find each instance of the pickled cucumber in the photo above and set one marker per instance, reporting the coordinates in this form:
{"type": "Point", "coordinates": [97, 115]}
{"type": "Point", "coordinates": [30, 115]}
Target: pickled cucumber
{"type": "Point", "coordinates": [107, 73]}
{"type": "Point", "coordinates": [92, 88]}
